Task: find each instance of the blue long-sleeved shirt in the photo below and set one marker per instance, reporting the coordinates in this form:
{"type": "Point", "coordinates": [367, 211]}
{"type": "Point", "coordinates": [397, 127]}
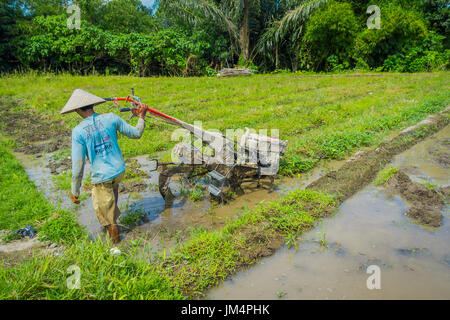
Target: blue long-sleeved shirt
{"type": "Point", "coordinates": [96, 138]}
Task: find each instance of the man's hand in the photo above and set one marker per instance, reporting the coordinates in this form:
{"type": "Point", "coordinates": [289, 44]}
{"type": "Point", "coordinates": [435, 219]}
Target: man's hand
{"type": "Point", "coordinates": [141, 110]}
{"type": "Point", "coordinates": [74, 199]}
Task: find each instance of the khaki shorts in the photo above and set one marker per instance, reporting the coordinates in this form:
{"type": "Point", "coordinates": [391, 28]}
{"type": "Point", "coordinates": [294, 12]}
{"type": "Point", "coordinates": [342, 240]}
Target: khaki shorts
{"type": "Point", "coordinates": [104, 201]}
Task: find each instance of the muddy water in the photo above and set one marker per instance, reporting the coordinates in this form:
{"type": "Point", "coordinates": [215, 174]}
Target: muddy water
{"type": "Point", "coordinates": [187, 214]}
{"type": "Point", "coordinates": [37, 171]}
{"type": "Point", "coordinates": [428, 160]}
{"type": "Point", "coordinates": [369, 229]}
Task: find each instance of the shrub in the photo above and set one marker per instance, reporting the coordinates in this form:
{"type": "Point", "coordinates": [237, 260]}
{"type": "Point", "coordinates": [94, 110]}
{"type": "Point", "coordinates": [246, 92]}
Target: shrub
{"type": "Point", "coordinates": [400, 28]}
{"type": "Point", "coordinates": [48, 44]}
{"type": "Point", "coordinates": [428, 56]}
{"type": "Point", "coordinates": [329, 37]}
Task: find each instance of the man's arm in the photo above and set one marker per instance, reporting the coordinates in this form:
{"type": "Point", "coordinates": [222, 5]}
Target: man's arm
{"type": "Point", "coordinates": [130, 131]}
{"type": "Point", "coordinates": [78, 161]}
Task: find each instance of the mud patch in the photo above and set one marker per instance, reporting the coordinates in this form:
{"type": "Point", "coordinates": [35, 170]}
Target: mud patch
{"type": "Point", "coordinates": [445, 191]}
{"type": "Point", "coordinates": [43, 147]}
{"type": "Point", "coordinates": [17, 251]}
{"type": "Point", "coordinates": [130, 186]}
{"type": "Point", "coordinates": [134, 170]}
{"type": "Point", "coordinates": [259, 241]}
{"type": "Point", "coordinates": [414, 252]}
{"type": "Point", "coordinates": [133, 179]}
{"type": "Point", "coordinates": [440, 152]}
{"type": "Point", "coordinates": [56, 166]}
{"type": "Point", "coordinates": [372, 261]}
{"type": "Point", "coordinates": [34, 133]}
{"type": "Point", "coordinates": [426, 204]}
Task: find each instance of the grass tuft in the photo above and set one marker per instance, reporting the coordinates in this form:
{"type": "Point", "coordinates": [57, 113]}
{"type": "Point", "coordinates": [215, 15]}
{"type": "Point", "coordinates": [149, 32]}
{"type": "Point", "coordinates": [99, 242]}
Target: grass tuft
{"type": "Point", "coordinates": [384, 175]}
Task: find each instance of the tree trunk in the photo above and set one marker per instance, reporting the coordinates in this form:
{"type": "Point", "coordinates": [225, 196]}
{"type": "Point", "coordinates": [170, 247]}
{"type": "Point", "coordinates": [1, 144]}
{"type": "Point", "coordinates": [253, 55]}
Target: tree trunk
{"type": "Point", "coordinates": [244, 34]}
{"type": "Point", "coordinates": [277, 58]}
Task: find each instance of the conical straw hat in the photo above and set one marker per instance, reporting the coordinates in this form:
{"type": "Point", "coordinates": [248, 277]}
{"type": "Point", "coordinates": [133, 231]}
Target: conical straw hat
{"type": "Point", "coordinates": [80, 99]}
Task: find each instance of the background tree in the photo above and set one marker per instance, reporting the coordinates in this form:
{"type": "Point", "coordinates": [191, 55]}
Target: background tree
{"type": "Point", "coordinates": [282, 39]}
{"type": "Point", "coordinates": [196, 37]}
{"type": "Point", "coordinates": [240, 19]}
{"type": "Point", "coordinates": [329, 37]}
{"type": "Point", "coordinates": [401, 28]}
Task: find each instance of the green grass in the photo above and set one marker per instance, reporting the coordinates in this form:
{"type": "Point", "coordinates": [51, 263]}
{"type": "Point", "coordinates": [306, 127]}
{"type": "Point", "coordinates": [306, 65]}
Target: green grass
{"type": "Point", "coordinates": [385, 174]}
{"type": "Point", "coordinates": [202, 261]}
{"type": "Point", "coordinates": [429, 185]}
{"type": "Point", "coordinates": [62, 154]}
{"type": "Point", "coordinates": [322, 117]}
{"type": "Point", "coordinates": [196, 194]}
{"type": "Point", "coordinates": [132, 217]}
{"type": "Point", "coordinates": [102, 276]}
{"type": "Point", "coordinates": [63, 180]}
{"type": "Point", "coordinates": [21, 203]}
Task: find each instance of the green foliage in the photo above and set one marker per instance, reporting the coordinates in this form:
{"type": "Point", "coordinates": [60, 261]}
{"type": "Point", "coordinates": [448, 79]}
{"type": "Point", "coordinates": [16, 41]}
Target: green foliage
{"type": "Point", "coordinates": [291, 164]}
{"type": "Point", "coordinates": [400, 28]}
{"type": "Point", "coordinates": [195, 37]}
{"type": "Point", "coordinates": [196, 194]}
{"type": "Point", "coordinates": [430, 185]}
{"type": "Point", "coordinates": [9, 235]}
{"type": "Point", "coordinates": [50, 45]}
{"type": "Point", "coordinates": [278, 47]}
{"type": "Point", "coordinates": [132, 216]}
{"type": "Point", "coordinates": [62, 228]}
{"type": "Point", "coordinates": [437, 13]}
{"type": "Point", "coordinates": [63, 180]}
{"type": "Point", "coordinates": [125, 16]}
{"type": "Point", "coordinates": [428, 56]}
{"type": "Point", "coordinates": [9, 14]}
{"type": "Point", "coordinates": [335, 145]}
{"type": "Point", "coordinates": [329, 37]}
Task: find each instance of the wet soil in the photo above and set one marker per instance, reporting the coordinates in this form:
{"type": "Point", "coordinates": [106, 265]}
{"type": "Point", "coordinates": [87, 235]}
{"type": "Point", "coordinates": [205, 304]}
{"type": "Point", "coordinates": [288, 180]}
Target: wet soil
{"type": "Point", "coordinates": [33, 132]}
{"type": "Point", "coordinates": [426, 204]}
{"type": "Point", "coordinates": [56, 166]}
{"type": "Point", "coordinates": [17, 251]}
{"type": "Point", "coordinates": [440, 156]}
{"type": "Point", "coordinates": [344, 182]}
{"type": "Point", "coordinates": [259, 242]}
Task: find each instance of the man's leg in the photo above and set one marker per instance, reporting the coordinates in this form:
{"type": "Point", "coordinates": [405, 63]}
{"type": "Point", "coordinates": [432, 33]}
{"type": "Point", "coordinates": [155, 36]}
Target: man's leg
{"type": "Point", "coordinates": [105, 205]}
{"type": "Point", "coordinates": [116, 182]}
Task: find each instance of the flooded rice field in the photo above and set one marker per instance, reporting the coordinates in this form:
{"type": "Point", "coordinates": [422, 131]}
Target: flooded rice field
{"type": "Point", "coordinates": [143, 196]}
{"type": "Point", "coordinates": [369, 229]}
{"type": "Point", "coordinates": [331, 262]}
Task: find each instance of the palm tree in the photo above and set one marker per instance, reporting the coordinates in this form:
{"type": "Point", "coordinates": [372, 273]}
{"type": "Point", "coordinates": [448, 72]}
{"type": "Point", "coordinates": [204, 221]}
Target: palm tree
{"type": "Point", "coordinates": [282, 21]}
{"type": "Point", "coordinates": [286, 32]}
{"type": "Point", "coordinates": [231, 16]}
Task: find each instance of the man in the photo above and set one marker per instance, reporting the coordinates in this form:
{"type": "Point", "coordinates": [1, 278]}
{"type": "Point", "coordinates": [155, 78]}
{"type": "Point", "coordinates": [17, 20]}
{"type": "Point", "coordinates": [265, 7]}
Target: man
{"type": "Point", "coordinates": [96, 138]}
